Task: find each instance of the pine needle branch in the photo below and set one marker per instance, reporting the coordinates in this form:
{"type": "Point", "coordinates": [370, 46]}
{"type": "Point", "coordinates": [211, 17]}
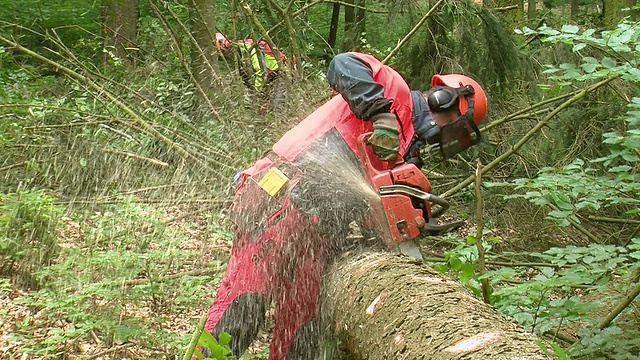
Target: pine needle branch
{"type": "Point", "coordinates": [413, 31]}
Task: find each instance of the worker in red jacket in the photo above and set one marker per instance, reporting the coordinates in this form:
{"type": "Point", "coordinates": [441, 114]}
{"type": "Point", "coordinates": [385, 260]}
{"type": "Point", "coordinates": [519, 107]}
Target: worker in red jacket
{"type": "Point", "coordinates": [292, 208]}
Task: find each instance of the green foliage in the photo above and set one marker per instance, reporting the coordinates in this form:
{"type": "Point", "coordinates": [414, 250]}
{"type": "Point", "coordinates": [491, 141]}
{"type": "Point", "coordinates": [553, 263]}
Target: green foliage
{"type": "Point", "coordinates": [463, 37]}
{"type": "Point", "coordinates": [114, 283]}
{"type": "Point", "coordinates": [219, 349]}
{"type": "Point", "coordinates": [557, 350]}
{"type": "Point", "coordinates": [28, 223]}
{"type": "Point", "coordinates": [612, 342]}
{"type": "Point", "coordinates": [554, 297]}
{"type": "Point", "coordinates": [578, 187]}
{"type": "Point", "coordinates": [617, 46]}
{"type": "Point", "coordinates": [71, 20]}
{"type": "Point", "coordinates": [463, 260]}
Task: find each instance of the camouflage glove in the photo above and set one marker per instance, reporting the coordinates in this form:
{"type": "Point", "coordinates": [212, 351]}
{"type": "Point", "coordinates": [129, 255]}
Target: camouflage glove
{"type": "Point", "coordinates": [385, 140]}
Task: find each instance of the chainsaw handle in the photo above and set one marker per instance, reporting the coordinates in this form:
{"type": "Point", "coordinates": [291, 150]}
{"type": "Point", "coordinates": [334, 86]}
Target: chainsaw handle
{"type": "Point", "coordinates": [413, 192]}
{"type": "Point", "coordinates": [444, 206]}
{"type": "Point", "coordinates": [363, 142]}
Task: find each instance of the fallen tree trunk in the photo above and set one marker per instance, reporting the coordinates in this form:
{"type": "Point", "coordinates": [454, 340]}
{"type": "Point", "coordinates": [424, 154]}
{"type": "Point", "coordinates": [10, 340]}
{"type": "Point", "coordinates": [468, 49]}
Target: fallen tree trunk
{"type": "Point", "coordinates": [387, 306]}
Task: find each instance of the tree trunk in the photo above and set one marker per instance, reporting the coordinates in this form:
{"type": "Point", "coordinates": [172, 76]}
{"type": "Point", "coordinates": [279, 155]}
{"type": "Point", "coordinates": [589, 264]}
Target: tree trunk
{"type": "Point", "coordinates": [531, 12]}
{"type": "Point", "coordinates": [348, 38]}
{"type": "Point", "coordinates": [201, 17]}
{"type": "Point", "coordinates": [574, 9]}
{"type": "Point", "coordinates": [333, 28]}
{"type": "Point", "coordinates": [360, 19]}
{"type": "Point", "coordinates": [389, 307]}
{"type": "Point", "coordinates": [119, 20]}
{"type": "Point", "coordinates": [354, 21]}
{"type": "Point", "coordinates": [613, 11]}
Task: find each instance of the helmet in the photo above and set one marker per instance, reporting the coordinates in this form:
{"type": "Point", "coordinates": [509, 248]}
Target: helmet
{"type": "Point", "coordinates": [455, 92]}
{"type": "Point", "coordinates": [459, 89]}
{"type": "Point", "coordinates": [221, 41]}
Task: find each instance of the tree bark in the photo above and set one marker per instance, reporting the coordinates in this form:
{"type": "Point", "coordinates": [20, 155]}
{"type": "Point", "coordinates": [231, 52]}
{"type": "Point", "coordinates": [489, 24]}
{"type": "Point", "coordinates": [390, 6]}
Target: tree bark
{"type": "Point", "coordinates": [348, 37]}
{"type": "Point", "coordinates": [333, 28]}
{"type": "Point", "coordinates": [574, 9]}
{"type": "Point", "coordinates": [613, 11]}
{"type": "Point", "coordinates": [119, 20]}
{"type": "Point", "coordinates": [531, 12]}
{"type": "Point", "coordinates": [201, 17]}
{"type": "Point", "coordinates": [387, 306]}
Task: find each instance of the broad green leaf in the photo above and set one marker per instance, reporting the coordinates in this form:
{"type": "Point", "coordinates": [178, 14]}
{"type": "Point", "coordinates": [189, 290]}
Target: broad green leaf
{"type": "Point", "coordinates": [589, 67]}
{"type": "Point", "coordinates": [208, 340]}
{"type": "Point", "coordinates": [441, 268]}
{"type": "Point", "coordinates": [578, 47]}
{"type": "Point", "coordinates": [571, 29]}
{"type": "Point", "coordinates": [609, 63]}
{"type": "Point", "coordinates": [467, 269]}
{"type": "Point", "coordinates": [455, 263]}
{"type": "Point", "coordinates": [224, 338]}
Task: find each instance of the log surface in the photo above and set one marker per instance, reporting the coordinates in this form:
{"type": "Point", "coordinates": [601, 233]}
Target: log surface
{"type": "Point", "coordinates": [387, 306]}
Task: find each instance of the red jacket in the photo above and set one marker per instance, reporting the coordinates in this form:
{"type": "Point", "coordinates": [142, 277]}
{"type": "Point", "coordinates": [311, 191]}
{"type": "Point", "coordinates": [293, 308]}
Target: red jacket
{"type": "Point", "coordinates": [341, 112]}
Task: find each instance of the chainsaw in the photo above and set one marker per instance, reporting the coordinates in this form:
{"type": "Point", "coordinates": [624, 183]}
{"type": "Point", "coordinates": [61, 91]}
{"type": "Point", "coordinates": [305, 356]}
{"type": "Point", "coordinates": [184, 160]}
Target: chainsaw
{"type": "Point", "coordinates": [406, 208]}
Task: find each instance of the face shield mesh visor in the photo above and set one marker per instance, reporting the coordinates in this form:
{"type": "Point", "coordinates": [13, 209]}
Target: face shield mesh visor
{"type": "Point", "coordinates": [454, 137]}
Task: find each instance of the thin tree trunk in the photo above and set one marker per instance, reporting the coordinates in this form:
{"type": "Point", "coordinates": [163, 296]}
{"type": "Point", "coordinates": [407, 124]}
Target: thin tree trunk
{"type": "Point", "coordinates": [613, 13]}
{"type": "Point", "coordinates": [574, 9]}
{"type": "Point", "coordinates": [333, 29]}
{"type": "Point", "coordinates": [531, 12]}
{"type": "Point", "coordinates": [348, 38]}
{"type": "Point", "coordinates": [387, 306]}
{"type": "Point", "coordinates": [360, 19]}
{"type": "Point", "coordinates": [201, 18]}
{"type": "Point", "coordinates": [119, 20]}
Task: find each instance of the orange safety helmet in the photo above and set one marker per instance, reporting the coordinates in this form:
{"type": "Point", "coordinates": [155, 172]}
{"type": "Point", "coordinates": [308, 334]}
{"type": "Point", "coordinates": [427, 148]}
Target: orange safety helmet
{"type": "Point", "coordinates": [467, 90]}
{"type": "Point", "coordinates": [221, 41]}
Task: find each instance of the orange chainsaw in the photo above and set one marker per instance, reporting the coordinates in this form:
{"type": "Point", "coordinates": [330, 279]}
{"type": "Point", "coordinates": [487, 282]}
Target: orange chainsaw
{"type": "Point", "coordinates": [405, 209]}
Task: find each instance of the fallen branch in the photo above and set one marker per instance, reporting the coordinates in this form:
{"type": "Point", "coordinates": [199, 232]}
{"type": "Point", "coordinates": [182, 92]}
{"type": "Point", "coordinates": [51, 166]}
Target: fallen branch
{"type": "Point", "coordinates": [542, 123]}
{"type": "Point", "coordinates": [613, 220]}
{"type": "Point", "coordinates": [479, 225]}
{"type": "Point", "coordinates": [108, 351]}
{"type": "Point", "coordinates": [137, 157]}
{"type": "Point", "coordinates": [83, 80]}
{"type": "Point", "coordinates": [628, 299]}
{"type": "Point", "coordinates": [12, 166]}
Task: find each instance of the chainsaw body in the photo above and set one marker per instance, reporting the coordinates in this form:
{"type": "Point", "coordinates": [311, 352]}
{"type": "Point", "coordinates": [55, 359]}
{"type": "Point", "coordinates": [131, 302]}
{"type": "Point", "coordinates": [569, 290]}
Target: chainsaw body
{"type": "Point", "coordinates": [405, 208]}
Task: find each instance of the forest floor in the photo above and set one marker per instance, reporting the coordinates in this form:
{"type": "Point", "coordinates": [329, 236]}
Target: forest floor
{"type": "Point", "coordinates": [17, 317]}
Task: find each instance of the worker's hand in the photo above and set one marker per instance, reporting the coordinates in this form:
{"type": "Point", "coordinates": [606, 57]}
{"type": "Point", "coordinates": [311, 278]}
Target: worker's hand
{"type": "Point", "coordinates": [385, 140]}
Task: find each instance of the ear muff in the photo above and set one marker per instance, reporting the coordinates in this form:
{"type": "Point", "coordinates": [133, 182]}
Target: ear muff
{"type": "Point", "coordinates": [442, 98]}
{"type": "Point", "coordinates": [478, 95]}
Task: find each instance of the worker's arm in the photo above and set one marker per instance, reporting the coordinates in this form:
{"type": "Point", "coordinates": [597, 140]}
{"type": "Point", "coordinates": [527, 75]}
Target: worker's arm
{"type": "Point", "coordinates": [352, 77]}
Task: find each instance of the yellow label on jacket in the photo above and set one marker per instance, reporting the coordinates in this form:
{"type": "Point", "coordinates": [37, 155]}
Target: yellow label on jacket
{"type": "Point", "coordinates": [273, 181]}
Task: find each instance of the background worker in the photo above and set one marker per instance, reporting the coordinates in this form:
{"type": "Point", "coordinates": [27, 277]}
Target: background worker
{"type": "Point", "coordinates": [292, 208]}
{"type": "Point", "coordinates": [258, 66]}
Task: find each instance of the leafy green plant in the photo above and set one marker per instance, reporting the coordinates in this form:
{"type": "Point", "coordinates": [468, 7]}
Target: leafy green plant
{"type": "Point", "coordinates": [610, 343]}
{"type": "Point", "coordinates": [463, 261]}
{"type": "Point", "coordinates": [28, 222]}
{"type": "Point", "coordinates": [617, 46]}
{"type": "Point", "coordinates": [113, 283]}
{"type": "Point", "coordinates": [217, 349]}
